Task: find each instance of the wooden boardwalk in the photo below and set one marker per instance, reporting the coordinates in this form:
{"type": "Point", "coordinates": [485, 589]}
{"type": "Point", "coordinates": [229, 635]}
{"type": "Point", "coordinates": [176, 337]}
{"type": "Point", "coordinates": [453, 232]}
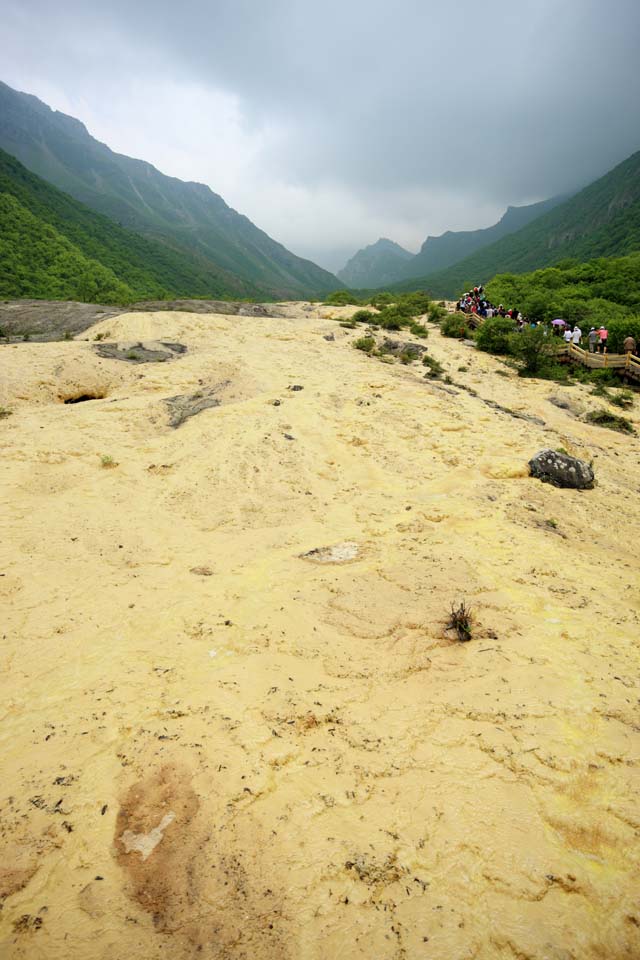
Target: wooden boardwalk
{"type": "Point", "coordinates": [625, 363]}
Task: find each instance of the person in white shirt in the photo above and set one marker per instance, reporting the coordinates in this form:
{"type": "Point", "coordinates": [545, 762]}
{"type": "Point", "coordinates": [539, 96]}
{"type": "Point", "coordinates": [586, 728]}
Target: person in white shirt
{"type": "Point", "coordinates": [568, 336]}
{"type": "Point", "coordinates": [577, 335]}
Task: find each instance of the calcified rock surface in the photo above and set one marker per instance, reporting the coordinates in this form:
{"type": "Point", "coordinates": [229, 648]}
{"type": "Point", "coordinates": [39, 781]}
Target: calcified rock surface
{"type": "Point", "coordinates": [215, 748]}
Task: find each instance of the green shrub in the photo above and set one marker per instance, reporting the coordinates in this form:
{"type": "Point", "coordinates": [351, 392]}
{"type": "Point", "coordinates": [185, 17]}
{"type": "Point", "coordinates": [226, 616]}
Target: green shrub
{"type": "Point", "coordinates": [494, 335]}
{"type": "Point", "coordinates": [454, 325]}
{"type": "Point", "coordinates": [533, 349]}
{"type": "Point", "coordinates": [381, 300]}
{"type": "Point", "coordinates": [366, 344]}
{"type": "Point", "coordinates": [341, 298]}
{"type": "Point", "coordinates": [391, 319]}
{"type": "Point", "coordinates": [363, 316]}
{"type": "Point", "coordinates": [437, 313]}
{"type": "Point", "coordinates": [416, 304]}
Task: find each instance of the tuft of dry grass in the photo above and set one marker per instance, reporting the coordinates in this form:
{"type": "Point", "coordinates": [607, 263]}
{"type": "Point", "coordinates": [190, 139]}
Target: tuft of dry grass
{"type": "Point", "coordinates": [460, 620]}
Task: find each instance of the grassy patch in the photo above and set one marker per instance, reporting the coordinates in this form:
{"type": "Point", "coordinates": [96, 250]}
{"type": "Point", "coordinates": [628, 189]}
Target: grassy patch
{"type": "Point", "coordinates": [434, 367]}
{"type": "Point", "coordinates": [602, 418]}
{"type": "Point", "coordinates": [622, 399]}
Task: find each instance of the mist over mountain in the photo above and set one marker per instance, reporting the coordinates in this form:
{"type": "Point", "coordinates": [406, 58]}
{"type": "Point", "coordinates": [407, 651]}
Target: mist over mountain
{"type": "Point", "coordinates": [375, 265]}
{"type": "Point", "coordinates": [186, 216]}
{"type": "Point", "coordinates": [440, 252]}
{"type": "Point", "coordinates": [602, 220]}
{"type": "Point", "coordinates": [385, 262]}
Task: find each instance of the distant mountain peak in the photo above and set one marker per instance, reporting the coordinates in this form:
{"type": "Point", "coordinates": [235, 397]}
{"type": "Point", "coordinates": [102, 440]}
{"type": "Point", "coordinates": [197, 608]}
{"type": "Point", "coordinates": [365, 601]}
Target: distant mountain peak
{"type": "Point", "coordinates": [375, 265]}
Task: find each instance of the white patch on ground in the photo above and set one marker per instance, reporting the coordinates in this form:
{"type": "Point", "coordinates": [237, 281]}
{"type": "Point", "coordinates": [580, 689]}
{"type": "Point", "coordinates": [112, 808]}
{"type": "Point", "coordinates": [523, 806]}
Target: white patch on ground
{"type": "Point", "coordinates": [145, 843]}
{"type": "Point", "coordinates": [339, 553]}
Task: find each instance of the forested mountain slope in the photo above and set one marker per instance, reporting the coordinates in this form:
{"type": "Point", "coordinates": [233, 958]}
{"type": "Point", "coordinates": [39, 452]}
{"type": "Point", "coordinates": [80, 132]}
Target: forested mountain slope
{"type": "Point", "coordinates": [145, 269]}
{"type": "Point", "coordinates": [186, 216]}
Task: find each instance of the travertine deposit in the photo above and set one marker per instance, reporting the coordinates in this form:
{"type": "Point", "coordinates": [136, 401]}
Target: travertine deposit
{"type": "Point", "coordinates": [235, 726]}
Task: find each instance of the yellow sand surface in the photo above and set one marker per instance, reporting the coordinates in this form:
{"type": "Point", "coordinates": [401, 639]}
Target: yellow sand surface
{"type": "Point", "coordinates": [214, 746]}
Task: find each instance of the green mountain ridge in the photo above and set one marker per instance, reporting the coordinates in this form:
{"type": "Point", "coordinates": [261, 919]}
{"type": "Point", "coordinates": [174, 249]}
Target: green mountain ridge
{"type": "Point", "coordinates": [602, 220]}
{"type": "Point", "coordinates": [185, 216]}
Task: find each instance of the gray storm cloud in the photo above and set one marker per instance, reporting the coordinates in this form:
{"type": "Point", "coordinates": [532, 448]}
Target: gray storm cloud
{"type": "Point", "coordinates": [350, 119]}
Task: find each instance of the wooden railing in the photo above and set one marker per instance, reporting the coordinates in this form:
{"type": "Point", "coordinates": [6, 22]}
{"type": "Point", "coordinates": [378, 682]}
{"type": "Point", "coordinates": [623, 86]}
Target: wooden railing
{"type": "Point", "coordinates": [626, 363]}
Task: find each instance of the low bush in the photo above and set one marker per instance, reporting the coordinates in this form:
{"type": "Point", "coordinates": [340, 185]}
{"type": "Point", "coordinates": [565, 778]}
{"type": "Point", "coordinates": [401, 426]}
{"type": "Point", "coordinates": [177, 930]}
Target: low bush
{"type": "Point", "coordinates": [417, 303]}
{"type": "Point", "coordinates": [437, 312]}
{"type": "Point", "coordinates": [381, 300]}
{"type": "Point", "coordinates": [534, 350]}
{"type": "Point", "coordinates": [341, 298]}
{"type": "Point", "coordinates": [454, 325]}
{"type": "Point", "coordinates": [363, 316]}
{"type": "Point", "coordinates": [391, 319]}
{"type": "Point", "coordinates": [366, 344]}
{"type": "Point", "coordinates": [494, 335]}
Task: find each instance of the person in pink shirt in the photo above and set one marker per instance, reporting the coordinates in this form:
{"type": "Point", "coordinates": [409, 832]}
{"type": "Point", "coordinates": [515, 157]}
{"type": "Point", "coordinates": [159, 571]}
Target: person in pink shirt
{"type": "Point", "coordinates": [603, 333]}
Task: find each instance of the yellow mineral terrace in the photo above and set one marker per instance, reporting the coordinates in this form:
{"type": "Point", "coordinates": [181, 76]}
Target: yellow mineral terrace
{"type": "Point", "coordinates": [236, 725]}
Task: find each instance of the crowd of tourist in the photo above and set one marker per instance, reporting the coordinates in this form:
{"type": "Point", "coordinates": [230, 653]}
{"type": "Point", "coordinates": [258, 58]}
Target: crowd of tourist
{"type": "Point", "coordinates": [475, 304]}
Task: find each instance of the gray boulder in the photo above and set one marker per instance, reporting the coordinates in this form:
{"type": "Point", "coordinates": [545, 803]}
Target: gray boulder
{"type": "Point", "coordinates": [561, 470]}
{"type": "Point", "coordinates": [397, 347]}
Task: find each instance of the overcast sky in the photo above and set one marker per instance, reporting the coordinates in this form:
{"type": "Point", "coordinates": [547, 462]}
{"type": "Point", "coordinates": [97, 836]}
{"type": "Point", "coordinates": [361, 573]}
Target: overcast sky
{"type": "Point", "coordinates": [332, 123]}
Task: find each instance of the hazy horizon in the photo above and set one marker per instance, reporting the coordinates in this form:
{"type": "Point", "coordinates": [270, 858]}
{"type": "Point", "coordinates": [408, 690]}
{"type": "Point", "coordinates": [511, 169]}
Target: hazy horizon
{"type": "Point", "coordinates": [331, 127]}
